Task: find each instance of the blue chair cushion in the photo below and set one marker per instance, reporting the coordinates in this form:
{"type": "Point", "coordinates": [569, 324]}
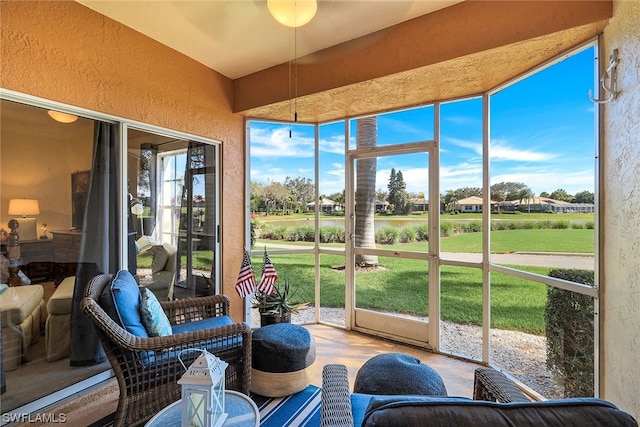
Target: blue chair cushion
{"type": "Point", "coordinates": [153, 317]}
{"type": "Point", "coordinates": [121, 301]}
{"type": "Point", "coordinates": [199, 325]}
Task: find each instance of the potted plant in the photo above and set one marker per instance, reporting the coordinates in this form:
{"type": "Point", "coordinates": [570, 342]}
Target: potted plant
{"type": "Point", "coordinates": [277, 307]}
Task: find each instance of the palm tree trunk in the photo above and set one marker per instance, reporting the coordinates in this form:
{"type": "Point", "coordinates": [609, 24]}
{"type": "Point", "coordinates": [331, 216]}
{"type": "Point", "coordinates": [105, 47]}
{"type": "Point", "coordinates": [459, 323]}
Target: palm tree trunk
{"type": "Point", "coordinates": [367, 136]}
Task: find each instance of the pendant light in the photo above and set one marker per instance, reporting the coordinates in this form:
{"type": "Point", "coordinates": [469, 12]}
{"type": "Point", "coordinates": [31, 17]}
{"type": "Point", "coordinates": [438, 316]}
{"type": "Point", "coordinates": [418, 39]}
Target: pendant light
{"type": "Point", "coordinates": [292, 13]}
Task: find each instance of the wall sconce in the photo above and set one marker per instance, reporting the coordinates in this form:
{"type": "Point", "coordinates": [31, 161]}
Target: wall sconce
{"type": "Point", "coordinates": [62, 117]}
{"type": "Point", "coordinates": [292, 13]}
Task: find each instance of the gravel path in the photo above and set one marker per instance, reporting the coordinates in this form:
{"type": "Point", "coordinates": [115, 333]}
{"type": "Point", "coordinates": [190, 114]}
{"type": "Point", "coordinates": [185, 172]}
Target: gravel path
{"type": "Point", "coordinates": [521, 355]}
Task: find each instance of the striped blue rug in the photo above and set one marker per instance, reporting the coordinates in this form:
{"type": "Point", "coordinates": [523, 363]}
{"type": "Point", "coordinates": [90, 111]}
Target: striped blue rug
{"type": "Point", "coordinates": [300, 409]}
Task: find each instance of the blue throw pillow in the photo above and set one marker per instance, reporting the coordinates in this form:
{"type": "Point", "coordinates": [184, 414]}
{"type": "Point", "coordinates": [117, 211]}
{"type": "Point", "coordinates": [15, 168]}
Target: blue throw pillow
{"type": "Point", "coordinates": [126, 299]}
{"type": "Point", "coordinates": [153, 317]}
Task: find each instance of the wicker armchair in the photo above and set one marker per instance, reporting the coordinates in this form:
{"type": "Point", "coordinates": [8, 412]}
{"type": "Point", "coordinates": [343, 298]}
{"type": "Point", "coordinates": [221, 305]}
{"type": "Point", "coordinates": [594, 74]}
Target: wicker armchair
{"type": "Point", "coordinates": [147, 369]}
{"type": "Point", "coordinates": [496, 402]}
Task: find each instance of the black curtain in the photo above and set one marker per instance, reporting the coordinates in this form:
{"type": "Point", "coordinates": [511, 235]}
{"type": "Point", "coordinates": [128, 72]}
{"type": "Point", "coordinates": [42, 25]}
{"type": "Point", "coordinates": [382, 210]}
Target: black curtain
{"type": "Point", "coordinates": [99, 249]}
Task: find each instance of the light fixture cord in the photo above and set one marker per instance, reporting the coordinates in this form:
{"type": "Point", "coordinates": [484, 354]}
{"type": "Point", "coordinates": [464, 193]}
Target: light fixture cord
{"type": "Point", "coordinates": [295, 66]}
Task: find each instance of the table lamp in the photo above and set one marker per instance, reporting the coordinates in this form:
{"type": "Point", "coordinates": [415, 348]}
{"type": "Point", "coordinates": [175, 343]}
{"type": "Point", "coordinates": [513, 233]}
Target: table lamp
{"type": "Point", "coordinates": [23, 207]}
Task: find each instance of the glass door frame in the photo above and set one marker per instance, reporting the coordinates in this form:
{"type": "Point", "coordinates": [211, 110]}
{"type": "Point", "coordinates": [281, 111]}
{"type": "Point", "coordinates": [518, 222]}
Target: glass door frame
{"type": "Point", "coordinates": [424, 335]}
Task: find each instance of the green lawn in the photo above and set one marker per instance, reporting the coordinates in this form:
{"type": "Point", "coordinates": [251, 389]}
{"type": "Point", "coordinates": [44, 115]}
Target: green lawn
{"type": "Point", "coordinates": [402, 285]}
{"type": "Point", "coordinates": [545, 240]}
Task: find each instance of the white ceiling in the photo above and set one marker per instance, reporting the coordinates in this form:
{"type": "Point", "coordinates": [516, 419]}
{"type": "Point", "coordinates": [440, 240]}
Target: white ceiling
{"type": "Point", "coordinates": [239, 37]}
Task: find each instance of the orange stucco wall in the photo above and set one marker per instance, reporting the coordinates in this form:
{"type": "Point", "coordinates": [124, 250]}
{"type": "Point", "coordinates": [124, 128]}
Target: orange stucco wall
{"type": "Point", "coordinates": [63, 51]}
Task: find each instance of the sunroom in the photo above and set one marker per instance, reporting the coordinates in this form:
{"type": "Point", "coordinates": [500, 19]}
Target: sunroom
{"type": "Point", "coordinates": [150, 95]}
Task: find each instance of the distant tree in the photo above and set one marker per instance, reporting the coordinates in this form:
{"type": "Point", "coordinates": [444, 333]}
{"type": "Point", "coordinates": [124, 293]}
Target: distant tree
{"type": "Point", "coordinates": [561, 194]}
{"type": "Point", "coordinates": [465, 192]}
{"type": "Point", "coordinates": [302, 190]}
{"type": "Point", "coordinates": [503, 191]}
{"type": "Point", "coordinates": [381, 195]}
{"type": "Point", "coordinates": [584, 197]}
{"type": "Point", "coordinates": [256, 194]}
{"type": "Point", "coordinates": [544, 194]}
{"type": "Point", "coordinates": [450, 200]}
{"type": "Point", "coordinates": [275, 196]}
{"type": "Point", "coordinates": [339, 198]}
{"type": "Point", "coordinates": [526, 196]}
{"type": "Point", "coordinates": [398, 195]}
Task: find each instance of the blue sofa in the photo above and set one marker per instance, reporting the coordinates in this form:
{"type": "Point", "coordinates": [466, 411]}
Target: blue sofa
{"type": "Point", "coordinates": [506, 406]}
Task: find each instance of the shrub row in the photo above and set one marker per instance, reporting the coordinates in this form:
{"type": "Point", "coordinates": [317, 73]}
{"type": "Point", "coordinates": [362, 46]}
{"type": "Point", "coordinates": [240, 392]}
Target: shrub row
{"type": "Point", "coordinates": [569, 329]}
{"type": "Point", "coordinates": [419, 233]}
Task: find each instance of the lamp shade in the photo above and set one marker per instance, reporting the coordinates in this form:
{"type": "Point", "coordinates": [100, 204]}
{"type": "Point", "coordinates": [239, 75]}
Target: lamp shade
{"type": "Point", "coordinates": [23, 207]}
{"type": "Point", "coordinates": [62, 117]}
{"type": "Point", "coordinates": [292, 13]}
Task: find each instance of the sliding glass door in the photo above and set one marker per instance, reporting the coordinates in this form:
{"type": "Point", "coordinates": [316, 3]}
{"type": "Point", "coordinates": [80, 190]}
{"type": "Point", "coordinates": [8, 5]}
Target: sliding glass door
{"type": "Point", "coordinates": [174, 213]}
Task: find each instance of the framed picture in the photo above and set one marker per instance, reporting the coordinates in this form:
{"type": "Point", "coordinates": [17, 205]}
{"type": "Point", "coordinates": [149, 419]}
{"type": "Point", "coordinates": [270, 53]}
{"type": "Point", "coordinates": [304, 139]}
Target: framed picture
{"type": "Point", "coordinates": [79, 193]}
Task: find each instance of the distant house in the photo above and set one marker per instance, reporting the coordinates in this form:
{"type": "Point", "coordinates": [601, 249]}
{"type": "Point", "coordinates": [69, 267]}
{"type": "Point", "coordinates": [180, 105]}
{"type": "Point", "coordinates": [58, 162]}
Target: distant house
{"type": "Point", "coordinates": [326, 205]}
{"type": "Point", "coordinates": [470, 204]}
{"type": "Point", "coordinates": [421, 204]}
{"type": "Point", "coordinates": [545, 204]}
{"type": "Point", "coordinates": [504, 206]}
{"type": "Point", "coordinates": [381, 206]}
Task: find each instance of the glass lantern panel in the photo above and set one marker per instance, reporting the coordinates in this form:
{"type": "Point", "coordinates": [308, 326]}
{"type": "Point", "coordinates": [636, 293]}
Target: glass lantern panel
{"type": "Point", "coordinates": [197, 408]}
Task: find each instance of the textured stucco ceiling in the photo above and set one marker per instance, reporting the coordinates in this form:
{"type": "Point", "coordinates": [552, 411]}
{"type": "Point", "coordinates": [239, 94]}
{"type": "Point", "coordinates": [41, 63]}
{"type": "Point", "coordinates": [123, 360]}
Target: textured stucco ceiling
{"type": "Point", "coordinates": [460, 77]}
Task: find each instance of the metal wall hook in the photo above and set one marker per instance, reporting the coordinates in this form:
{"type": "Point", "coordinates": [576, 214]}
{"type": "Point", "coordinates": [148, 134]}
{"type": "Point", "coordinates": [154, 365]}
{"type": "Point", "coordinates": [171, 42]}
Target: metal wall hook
{"type": "Point", "coordinates": [611, 76]}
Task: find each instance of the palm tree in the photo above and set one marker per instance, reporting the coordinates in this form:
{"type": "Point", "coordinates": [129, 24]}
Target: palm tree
{"type": "Point", "coordinates": [527, 194]}
{"type": "Point", "coordinates": [367, 136]}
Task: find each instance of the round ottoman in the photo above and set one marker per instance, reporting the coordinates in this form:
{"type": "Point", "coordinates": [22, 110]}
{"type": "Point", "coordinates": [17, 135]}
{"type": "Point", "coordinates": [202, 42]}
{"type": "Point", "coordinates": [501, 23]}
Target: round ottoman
{"type": "Point", "coordinates": [281, 356]}
{"type": "Point", "coordinates": [398, 373]}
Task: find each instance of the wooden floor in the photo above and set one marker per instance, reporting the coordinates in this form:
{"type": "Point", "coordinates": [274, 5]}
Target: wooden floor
{"type": "Point", "coordinates": [333, 345]}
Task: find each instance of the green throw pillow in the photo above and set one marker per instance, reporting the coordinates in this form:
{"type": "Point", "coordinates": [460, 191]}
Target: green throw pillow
{"type": "Point", "coordinates": [153, 317]}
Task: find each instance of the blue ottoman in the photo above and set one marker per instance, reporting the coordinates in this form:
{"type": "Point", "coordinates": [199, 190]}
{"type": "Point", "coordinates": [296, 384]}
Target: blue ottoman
{"type": "Point", "coordinates": [398, 373]}
{"type": "Point", "coordinates": [281, 356]}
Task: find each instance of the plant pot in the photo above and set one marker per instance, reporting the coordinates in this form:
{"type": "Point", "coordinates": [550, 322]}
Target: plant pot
{"type": "Point", "coordinates": [270, 319]}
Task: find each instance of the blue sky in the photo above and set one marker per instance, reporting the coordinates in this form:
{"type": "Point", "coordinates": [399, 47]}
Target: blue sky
{"type": "Point", "coordinates": [542, 134]}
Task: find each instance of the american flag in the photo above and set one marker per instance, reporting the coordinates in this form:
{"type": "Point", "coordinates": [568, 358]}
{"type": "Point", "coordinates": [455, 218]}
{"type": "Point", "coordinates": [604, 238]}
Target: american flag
{"type": "Point", "coordinates": [246, 279]}
{"type": "Point", "coordinates": [269, 276]}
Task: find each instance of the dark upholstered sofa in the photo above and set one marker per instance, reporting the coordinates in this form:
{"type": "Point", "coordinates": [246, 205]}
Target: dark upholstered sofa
{"type": "Point", "coordinates": [497, 402]}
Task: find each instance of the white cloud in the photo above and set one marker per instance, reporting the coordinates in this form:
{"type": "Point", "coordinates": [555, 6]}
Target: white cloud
{"type": "Point", "coordinates": [466, 174]}
{"type": "Point", "coordinates": [500, 150]}
{"type": "Point", "coordinates": [474, 146]}
{"type": "Point", "coordinates": [417, 179]}
{"type": "Point", "coordinates": [334, 145]}
{"type": "Point", "coordinates": [549, 180]}
{"type": "Point", "coordinates": [277, 143]}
